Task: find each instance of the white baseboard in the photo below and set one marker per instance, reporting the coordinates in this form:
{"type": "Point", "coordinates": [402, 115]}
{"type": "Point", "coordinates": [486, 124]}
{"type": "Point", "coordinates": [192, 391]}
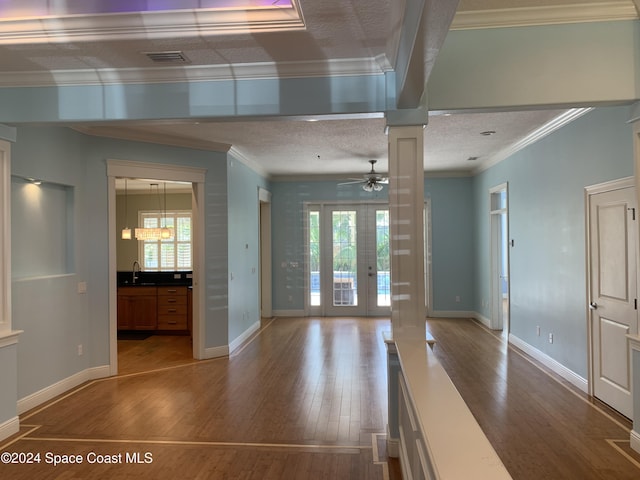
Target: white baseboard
{"type": "Point", "coordinates": [244, 336]}
{"type": "Point", "coordinates": [10, 427]}
{"type": "Point", "coordinates": [635, 441]}
{"type": "Point", "coordinates": [482, 319]}
{"type": "Point", "coordinates": [288, 313]}
{"type": "Point", "coordinates": [452, 314]}
{"type": "Point", "coordinates": [554, 365]}
{"type": "Point", "coordinates": [38, 398]}
{"type": "Point", "coordinates": [215, 352]}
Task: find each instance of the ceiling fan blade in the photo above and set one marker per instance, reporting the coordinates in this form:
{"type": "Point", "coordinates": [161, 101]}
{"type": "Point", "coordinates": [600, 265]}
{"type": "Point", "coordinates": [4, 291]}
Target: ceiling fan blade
{"type": "Point", "coordinates": [352, 182]}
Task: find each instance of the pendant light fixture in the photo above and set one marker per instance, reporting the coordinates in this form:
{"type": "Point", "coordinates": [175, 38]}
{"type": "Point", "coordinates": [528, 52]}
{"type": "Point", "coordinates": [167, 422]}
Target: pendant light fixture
{"type": "Point", "coordinates": [162, 233]}
{"type": "Point", "coordinates": [166, 233]}
{"type": "Point", "coordinates": [126, 231]}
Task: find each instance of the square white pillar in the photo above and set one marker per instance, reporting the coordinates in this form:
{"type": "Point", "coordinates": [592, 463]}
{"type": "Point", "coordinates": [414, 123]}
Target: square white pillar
{"type": "Point", "coordinates": [406, 217]}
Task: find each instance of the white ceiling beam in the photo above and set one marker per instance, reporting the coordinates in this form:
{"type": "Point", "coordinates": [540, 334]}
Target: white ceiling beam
{"type": "Point", "coordinates": [424, 28]}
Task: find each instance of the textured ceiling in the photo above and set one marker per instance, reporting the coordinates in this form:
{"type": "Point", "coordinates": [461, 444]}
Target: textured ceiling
{"type": "Point", "coordinates": [335, 30]}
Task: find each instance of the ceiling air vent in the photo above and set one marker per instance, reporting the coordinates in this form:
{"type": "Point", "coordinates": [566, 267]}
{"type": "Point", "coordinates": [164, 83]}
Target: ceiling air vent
{"type": "Point", "coordinates": [167, 57]}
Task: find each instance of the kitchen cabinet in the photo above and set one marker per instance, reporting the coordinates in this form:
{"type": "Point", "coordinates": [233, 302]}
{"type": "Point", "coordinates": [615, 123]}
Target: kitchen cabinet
{"type": "Point", "coordinates": [172, 308]}
{"type": "Point", "coordinates": [137, 308]}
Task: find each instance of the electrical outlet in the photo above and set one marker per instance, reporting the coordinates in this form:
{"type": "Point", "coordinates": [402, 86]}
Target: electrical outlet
{"type": "Point", "coordinates": [80, 349]}
{"type": "Point", "coordinates": [551, 338]}
{"type": "Point", "coordinates": [457, 298]}
{"type": "Point", "coordinates": [538, 330]}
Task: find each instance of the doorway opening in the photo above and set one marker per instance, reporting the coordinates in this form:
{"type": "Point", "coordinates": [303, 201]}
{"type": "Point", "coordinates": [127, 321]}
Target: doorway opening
{"type": "Point", "coordinates": [500, 287]}
{"type": "Point", "coordinates": [155, 289]}
{"type": "Point", "coordinates": [154, 255]}
{"type": "Point", "coordinates": [264, 199]}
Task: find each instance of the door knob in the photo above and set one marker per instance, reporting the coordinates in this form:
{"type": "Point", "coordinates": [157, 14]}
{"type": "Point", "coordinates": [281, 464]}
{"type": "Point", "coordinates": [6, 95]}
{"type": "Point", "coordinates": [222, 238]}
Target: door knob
{"type": "Point", "coordinates": [593, 306]}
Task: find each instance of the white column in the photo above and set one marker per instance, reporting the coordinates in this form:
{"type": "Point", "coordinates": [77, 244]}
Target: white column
{"type": "Point", "coordinates": [406, 216]}
{"type": "Point", "coordinates": [406, 235]}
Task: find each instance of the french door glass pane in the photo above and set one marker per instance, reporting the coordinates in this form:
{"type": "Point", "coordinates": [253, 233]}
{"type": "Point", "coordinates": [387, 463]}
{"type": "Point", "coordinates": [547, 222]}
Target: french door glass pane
{"type": "Point", "coordinates": [345, 255]}
{"type": "Point", "coordinates": [314, 258]}
{"type": "Point", "coordinates": [382, 259]}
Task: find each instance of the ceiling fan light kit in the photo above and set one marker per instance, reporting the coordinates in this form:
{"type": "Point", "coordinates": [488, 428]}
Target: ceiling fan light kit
{"type": "Point", "coordinates": [371, 182]}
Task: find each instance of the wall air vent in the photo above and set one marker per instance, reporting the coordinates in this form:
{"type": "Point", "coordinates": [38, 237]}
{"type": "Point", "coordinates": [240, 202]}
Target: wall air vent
{"type": "Point", "coordinates": [167, 57]}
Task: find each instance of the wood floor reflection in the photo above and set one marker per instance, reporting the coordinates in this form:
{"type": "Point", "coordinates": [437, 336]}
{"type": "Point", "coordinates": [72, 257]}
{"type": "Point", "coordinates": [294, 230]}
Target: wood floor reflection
{"type": "Point", "coordinates": [307, 399]}
{"type": "Point", "coordinates": [541, 426]}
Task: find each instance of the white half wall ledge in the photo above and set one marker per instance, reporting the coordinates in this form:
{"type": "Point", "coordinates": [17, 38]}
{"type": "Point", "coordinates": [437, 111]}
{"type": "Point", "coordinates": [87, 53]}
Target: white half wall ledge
{"type": "Point", "coordinates": [431, 408]}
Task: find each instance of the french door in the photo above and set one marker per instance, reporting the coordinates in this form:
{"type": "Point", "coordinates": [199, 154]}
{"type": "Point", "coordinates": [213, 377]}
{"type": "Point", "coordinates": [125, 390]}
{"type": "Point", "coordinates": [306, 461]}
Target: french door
{"type": "Point", "coordinates": [348, 267]}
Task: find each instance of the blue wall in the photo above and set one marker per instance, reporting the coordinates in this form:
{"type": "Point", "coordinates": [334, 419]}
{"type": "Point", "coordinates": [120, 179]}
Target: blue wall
{"type": "Point", "coordinates": [287, 238]}
{"type": "Point", "coordinates": [244, 247]}
{"type": "Point", "coordinates": [548, 283]}
{"type": "Point", "coordinates": [451, 243]}
{"type": "Point", "coordinates": [452, 237]}
{"type": "Point", "coordinates": [547, 223]}
{"type": "Point", "coordinates": [54, 317]}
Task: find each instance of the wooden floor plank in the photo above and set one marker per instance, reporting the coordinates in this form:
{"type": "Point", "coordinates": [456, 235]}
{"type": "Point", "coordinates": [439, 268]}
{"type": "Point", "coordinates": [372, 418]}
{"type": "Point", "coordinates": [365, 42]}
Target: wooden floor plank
{"type": "Point", "coordinates": [540, 426]}
{"type": "Point", "coordinates": [307, 398]}
{"type": "Point", "coordinates": [280, 409]}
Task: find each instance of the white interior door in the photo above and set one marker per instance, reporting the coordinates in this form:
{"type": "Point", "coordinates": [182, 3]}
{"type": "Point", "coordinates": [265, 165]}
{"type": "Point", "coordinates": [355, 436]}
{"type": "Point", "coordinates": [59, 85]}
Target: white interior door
{"type": "Point", "coordinates": [612, 240]}
{"type": "Point", "coordinates": [349, 260]}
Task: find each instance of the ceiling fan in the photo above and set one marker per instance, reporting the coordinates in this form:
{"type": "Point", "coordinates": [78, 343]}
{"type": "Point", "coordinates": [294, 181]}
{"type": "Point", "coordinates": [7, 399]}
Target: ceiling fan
{"type": "Point", "coordinates": [371, 181]}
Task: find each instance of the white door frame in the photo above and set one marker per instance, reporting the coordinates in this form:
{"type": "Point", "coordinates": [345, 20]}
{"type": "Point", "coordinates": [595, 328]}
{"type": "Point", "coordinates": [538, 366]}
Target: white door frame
{"type": "Point", "coordinates": [428, 294]}
{"type": "Point", "coordinates": [325, 250]}
{"type": "Point", "coordinates": [264, 204]}
{"type": "Point", "coordinates": [497, 252]}
{"type": "Point", "coordinates": [196, 176]}
{"type": "Point", "coordinates": [626, 182]}
{"type": "Point", "coordinates": [5, 239]}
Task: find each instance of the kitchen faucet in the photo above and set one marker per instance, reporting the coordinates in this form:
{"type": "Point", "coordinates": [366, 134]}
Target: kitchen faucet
{"type": "Point", "coordinates": [135, 270]}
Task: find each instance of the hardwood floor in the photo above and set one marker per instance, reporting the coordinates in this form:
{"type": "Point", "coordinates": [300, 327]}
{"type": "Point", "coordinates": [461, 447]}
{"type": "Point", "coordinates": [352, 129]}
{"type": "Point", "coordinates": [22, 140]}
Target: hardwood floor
{"type": "Point", "coordinates": [156, 351]}
{"type": "Point", "coordinates": [306, 398]}
{"type": "Point", "coordinates": [541, 426]}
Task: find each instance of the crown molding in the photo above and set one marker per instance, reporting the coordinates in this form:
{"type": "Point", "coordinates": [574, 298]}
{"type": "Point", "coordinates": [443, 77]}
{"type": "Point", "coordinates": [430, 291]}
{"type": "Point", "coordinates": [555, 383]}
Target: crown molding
{"type": "Point", "coordinates": [546, 129]}
{"type": "Point", "coordinates": [198, 73]}
{"type": "Point", "coordinates": [547, 15]}
{"type": "Point", "coordinates": [152, 137]}
{"type": "Point", "coordinates": [149, 25]}
{"type": "Point", "coordinates": [247, 162]}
